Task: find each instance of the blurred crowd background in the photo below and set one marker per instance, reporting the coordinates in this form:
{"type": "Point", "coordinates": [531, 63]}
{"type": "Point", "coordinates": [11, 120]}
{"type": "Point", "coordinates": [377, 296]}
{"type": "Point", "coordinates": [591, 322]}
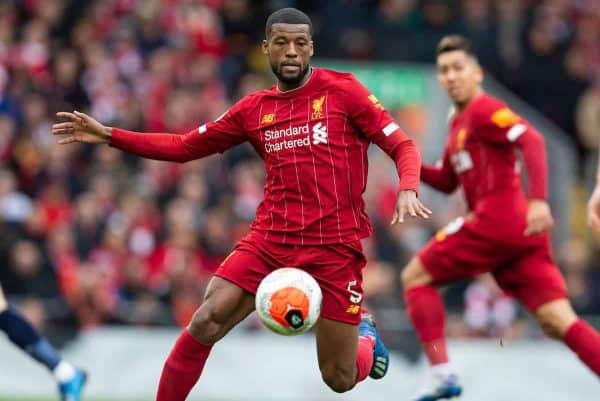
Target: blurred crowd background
{"type": "Point", "coordinates": [91, 236]}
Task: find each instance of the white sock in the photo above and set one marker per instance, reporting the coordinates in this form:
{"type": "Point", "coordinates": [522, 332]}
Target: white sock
{"type": "Point", "coordinates": [64, 371]}
{"type": "Point", "coordinates": [442, 369]}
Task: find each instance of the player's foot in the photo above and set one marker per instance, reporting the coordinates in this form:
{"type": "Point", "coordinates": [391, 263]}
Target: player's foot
{"type": "Point", "coordinates": [441, 387]}
{"type": "Point", "coordinates": [71, 390]}
{"type": "Point", "coordinates": [381, 356]}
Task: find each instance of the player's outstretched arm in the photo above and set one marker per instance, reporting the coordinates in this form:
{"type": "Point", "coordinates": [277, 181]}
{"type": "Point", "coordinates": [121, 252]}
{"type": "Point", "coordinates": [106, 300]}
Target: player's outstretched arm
{"type": "Point", "coordinates": [208, 139]}
{"type": "Point", "coordinates": [80, 128]}
{"type": "Point", "coordinates": [408, 204]}
{"type": "Point", "coordinates": [593, 207]}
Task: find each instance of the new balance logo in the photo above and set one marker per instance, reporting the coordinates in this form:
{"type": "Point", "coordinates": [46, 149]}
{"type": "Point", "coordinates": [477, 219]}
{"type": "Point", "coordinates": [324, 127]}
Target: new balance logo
{"type": "Point", "coordinates": [319, 134]}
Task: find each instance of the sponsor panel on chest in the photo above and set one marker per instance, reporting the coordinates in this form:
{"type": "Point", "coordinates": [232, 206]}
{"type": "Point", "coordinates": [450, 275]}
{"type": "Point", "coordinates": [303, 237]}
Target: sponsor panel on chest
{"type": "Point", "coordinates": [303, 124]}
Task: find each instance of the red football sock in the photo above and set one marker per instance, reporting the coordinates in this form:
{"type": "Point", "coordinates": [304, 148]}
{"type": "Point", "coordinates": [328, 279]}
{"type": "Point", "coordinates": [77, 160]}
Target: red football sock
{"type": "Point", "coordinates": [364, 357]}
{"type": "Point", "coordinates": [584, 340]}
{"type": "Point", "coordinates": [426, 311]}
{"type": "Point", "coordinates": [182, 368]}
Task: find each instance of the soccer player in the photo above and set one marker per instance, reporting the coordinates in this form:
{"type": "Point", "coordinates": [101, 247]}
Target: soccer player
{"type": "Point", "coordinates": [69, 378]}
{"type": "Point", "coordinates": [312, 129]}
{"type": "Point", "coordinates": [505, 232]}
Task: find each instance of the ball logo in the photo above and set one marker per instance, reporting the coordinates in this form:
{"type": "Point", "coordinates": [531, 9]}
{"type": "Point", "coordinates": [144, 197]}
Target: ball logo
{"type": "Point", "coordinates": [294, 318]}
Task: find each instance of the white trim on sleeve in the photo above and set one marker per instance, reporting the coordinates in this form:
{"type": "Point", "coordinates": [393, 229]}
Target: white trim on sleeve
{"type": "Point", "coordinates": [202, 129]}
{"type": "Point", "coordinates": [515, 132]}
{"type": "Point", "coordinates": [390, 128]}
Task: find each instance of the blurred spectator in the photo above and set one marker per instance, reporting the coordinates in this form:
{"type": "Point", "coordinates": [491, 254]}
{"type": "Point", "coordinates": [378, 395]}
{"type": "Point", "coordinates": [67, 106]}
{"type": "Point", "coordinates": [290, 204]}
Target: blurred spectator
{"type": "Point", "coordinates": [488, 311]}
{"type": "Point", "coordinates": [396, 24]}
{"type": "Point", "coordinates": [15, 206]}
{"type": "Point", "coordinates": [29, 273]}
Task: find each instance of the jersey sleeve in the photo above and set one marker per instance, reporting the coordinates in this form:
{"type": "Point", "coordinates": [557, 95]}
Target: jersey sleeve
{"type": "Point", "coordinates": [440, 176]}
{"type": "Point", "coordinates": [216, 136]}
{"type": "Point", "coordinates": [370, 117]}
{"type": "Point", "coordinates": [498, 124]}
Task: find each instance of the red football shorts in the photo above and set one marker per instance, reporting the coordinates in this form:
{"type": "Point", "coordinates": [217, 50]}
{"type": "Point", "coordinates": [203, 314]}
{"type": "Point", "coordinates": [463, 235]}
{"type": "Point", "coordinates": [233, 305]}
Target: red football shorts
{"type": "Point", "coordinates": [336, 267]}
{"type": "Point", "coordinates": [522, 266]}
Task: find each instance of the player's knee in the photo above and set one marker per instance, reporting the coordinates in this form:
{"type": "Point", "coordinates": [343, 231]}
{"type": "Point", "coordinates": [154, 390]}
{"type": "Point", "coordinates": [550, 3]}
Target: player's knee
{"type": "Point", "coordinates": [555, 318]}
{"type": "Point", "coordinates": [414, 275]}
{"type": "Point", "coordinates": [207, 325]}
{"type": "Point", "coordinates": [550, 327]}
{"type": "Point", "coordinates": [338, 378]}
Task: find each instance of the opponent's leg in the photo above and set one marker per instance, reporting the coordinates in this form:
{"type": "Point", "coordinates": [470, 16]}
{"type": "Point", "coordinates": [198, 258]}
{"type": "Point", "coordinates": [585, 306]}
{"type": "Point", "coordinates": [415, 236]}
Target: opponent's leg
{"type": "Point", "coordinates": [21, 333]}
{"type": "Point", "coordinates": [558, 320]}
{"type": "Point", "coordinates": [225, 305]}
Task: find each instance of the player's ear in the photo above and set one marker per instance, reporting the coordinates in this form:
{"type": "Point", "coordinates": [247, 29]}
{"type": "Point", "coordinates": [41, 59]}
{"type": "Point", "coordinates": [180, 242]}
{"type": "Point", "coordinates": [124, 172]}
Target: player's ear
{"type": "Point", "coordinates": [312, 48]}
{"type": "Point", "coordinates": [480, 74]}
{"type": "Point", "coordinates": [265, 46]}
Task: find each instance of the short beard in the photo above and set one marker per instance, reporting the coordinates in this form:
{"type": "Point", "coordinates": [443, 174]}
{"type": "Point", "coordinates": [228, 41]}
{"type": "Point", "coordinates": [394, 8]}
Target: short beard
{"type": "Point", "coordinates": [290, 80]}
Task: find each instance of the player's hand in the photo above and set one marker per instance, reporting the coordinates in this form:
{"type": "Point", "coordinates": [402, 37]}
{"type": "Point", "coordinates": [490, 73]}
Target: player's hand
{"type": "Point", "coordinates": [539, 217]}
{"type": "Point", "coordinates": [80, 128]}
{"type": "Point", "coordinates": [408, 203]}
{"type": "Point", "coordinates": [593, 209]}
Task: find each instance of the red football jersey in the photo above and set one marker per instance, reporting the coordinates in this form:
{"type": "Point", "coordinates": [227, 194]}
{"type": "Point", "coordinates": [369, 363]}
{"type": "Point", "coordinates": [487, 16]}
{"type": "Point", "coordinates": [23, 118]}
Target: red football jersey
{"type": "Point", "coordinates": [314, 142]}
{"type": "Point", "coordinates": [480, 156]}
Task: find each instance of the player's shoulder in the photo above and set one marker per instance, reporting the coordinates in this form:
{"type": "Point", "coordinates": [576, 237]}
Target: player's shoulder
{"type": "Point", "coordinates": [337, 78]}
{"type": "Point", "coordinates": [254, 97]}
{"type": "Point", "coordinates": [489, 109]}
{"type": "Point", "coordinates": [249, 101]}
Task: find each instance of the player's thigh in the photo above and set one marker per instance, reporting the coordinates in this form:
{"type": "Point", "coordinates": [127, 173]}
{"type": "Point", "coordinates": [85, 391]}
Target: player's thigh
{"type": "Point", "coordinates": [229, 296]}
{"type": "Point", "coordinates": [533, 278]}
{"type": "Point", "coordinates": [460, 250]}
{"type": "Point", "coordinates": [337, 347]}
{"type": "Point", "coordinates": [225, 305]}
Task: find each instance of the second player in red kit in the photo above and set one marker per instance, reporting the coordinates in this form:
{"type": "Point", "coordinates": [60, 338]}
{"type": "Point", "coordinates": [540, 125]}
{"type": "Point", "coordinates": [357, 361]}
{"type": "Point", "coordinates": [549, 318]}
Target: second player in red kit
{"type": "Point", "coordinates": [312, 130]}
{"type": "Point", "coordinates": [506, 231]}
